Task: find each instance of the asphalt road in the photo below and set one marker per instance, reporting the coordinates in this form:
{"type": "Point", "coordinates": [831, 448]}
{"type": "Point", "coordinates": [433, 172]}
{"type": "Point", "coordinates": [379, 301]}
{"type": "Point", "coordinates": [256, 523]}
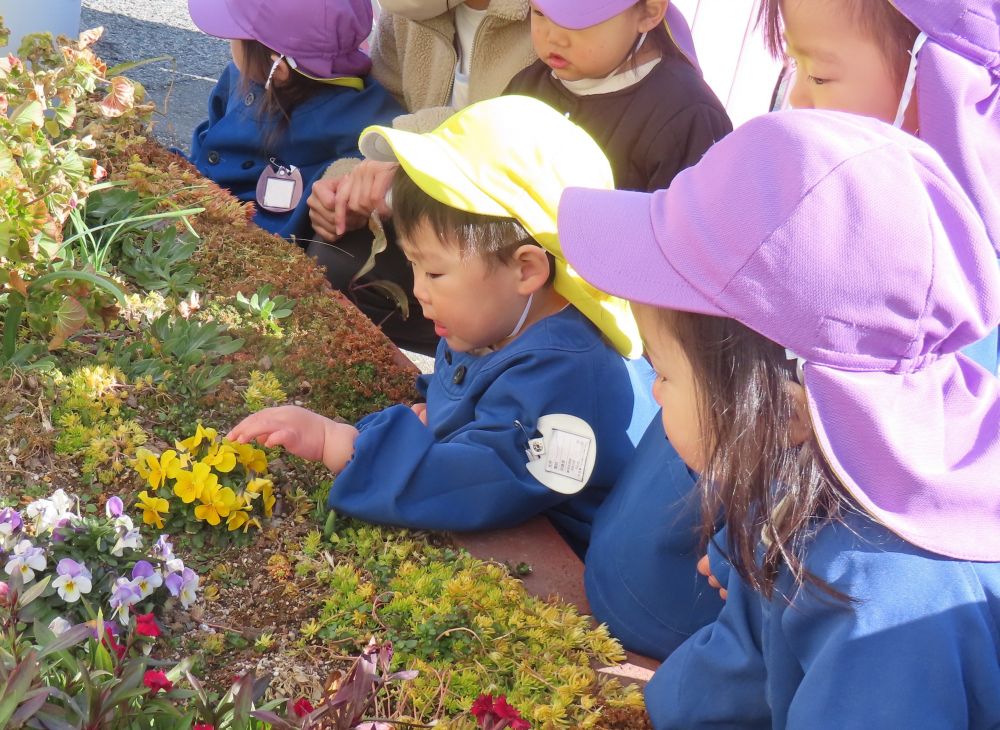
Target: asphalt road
{"type": "Point", "coordinates": [180, 83]}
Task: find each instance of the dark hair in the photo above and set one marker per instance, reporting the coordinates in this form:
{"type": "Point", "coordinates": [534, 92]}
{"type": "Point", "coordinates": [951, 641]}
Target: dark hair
{"type": "Point", "coordinates": [489, 237]}
{"type": "Point", "coordinates": [664, 43]}
{"type": "Point", "coordinates": [879, 19]}
{"type": "Point", "coordinates": [774, 496]}
{"type": "Point", "coordinates": [279, 99]}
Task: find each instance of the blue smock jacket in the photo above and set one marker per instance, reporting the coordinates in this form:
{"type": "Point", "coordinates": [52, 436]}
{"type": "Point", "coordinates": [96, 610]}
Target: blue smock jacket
{"type": "Point", "coordinates": [641, 575]}
{"type": "Point", "coordinates": [228, 147]}
{"type": "Point", "coordinates": [917, 649]}
{"type": "Point", "coordinates": [466, 470]}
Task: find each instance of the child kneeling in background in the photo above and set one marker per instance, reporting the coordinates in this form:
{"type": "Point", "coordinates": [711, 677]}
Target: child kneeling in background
{"type": "Point", "coordinates": [529, 409]}
{"type": "Point", "coordinates": [294, 100]}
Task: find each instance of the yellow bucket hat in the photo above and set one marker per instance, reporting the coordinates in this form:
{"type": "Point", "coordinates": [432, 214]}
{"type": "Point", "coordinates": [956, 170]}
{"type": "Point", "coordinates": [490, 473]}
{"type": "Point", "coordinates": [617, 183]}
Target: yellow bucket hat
{"type": "Point", "coordinates": [512, 157]}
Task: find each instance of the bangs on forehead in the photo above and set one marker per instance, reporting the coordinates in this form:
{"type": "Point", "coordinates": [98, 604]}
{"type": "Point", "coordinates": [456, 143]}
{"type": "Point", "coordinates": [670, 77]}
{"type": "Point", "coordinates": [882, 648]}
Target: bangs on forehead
{"type": "Point", "coordinates": [877, 19]}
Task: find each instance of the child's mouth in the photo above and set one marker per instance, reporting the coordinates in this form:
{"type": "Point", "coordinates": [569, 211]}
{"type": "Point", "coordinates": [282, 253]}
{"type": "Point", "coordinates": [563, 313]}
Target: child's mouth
{"type": "Point", "coordinates": [556, 61]}
{"type": "Point", "coordinates": [440, 330]}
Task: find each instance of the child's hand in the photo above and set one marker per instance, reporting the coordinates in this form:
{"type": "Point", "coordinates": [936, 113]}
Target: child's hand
{"type": "Point", "coordinates": [300, 431]}
{"type": "Point", "coordinates": [705, 568]}
{"type": "Point", "coordinates": [361, 192]}
{"type": "Point", "coordinates": [322, 202]}
{"type": "Point", "coordinates": [421, 410]}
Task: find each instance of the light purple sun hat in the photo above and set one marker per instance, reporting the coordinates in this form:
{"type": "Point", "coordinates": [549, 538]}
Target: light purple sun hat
{"type": "Point", "coordinates": [958, 94]}
{"type": "Point", "coordinates": [852, 245]}
{"type": "Point", "coordinates": [580, 14]}
{"type": "Point", "coordinates": [322, 37]}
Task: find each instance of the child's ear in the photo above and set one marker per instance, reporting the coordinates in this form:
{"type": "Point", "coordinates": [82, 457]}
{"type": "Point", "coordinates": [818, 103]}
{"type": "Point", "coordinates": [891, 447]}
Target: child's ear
{"type": "Point", "coordinates": [533, 268]}
{"type": "Point", "coordinates": [800, 427]}
{"type": "Point", "coordinates": [282, 72]}
{"type": "Point", "coordinates": [653, 12]}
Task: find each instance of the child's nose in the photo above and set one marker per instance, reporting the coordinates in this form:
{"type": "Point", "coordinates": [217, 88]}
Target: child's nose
{"type": "Point", "coordinates": [556, 35]}
{"type": "Point", "coordinates": [799, 96]}
{"type": "Point", "coordinates": [419, 289]}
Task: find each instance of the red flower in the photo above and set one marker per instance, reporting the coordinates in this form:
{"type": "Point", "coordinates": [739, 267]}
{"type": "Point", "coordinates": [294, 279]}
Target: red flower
{"type": "Point", "coordinates": [157, 680]}
{"type": "Point", "coordinates": [113, 645]}
{"type": "Point", "coordinates": [482, 707]}
{"type": "Point", "coordinates": [504, 710]}
{"type": "Point", "coordinates": [520, 724]}
{"type": "Point", "coordinates": [145, 625]}
{"type": "Point", "coordinates": [302, 707]}
{"type": "Point", "coordinates": [202, 726]}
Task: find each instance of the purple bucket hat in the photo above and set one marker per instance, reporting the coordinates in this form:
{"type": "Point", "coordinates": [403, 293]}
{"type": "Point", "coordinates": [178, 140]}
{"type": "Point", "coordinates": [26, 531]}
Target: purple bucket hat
{"type": "Point", "coordinates": [852, 245]}
{"type": "Point", "coordinates": [579, 14]}
{"type": "Point", "coordinates": [958, 94]}
{"type": "Point", "coordinates": [322, 37]}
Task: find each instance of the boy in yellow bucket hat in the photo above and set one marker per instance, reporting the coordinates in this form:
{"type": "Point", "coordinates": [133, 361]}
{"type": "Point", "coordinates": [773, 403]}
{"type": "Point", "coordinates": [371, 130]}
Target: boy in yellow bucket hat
{"type": "Point", "coordinates": [532, 407]}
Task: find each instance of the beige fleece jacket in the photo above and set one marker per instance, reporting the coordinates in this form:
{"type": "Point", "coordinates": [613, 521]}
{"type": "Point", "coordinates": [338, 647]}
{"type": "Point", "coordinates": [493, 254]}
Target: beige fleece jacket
{"type": "Point", "coordinates": [415, 61]}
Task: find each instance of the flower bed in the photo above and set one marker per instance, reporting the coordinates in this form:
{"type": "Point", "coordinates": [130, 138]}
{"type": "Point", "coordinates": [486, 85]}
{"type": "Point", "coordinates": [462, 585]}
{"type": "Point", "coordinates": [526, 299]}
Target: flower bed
{"type": "Point", "coordinates": [158, 576]}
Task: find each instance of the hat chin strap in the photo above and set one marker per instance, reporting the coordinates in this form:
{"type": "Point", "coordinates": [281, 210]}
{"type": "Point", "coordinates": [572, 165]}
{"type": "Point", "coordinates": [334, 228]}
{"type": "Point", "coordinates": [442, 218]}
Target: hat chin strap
{"type": "Point", "coordinates": [274, 67]}
{"type": "Point", "coordinates": [524, 316]}
{"type": "Point", "coordinates": [911, 80]}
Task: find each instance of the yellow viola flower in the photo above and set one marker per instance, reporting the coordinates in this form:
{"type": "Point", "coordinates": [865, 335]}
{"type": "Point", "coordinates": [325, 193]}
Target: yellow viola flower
{"type": "Point", "coordinates": [221, 457]}
{"type": "Point", "coordinates": [256, 486]}
{"type": "Point", "coordinates": [193, 442]}
{"type": "Point", "coordinates": [155, 469]}
{"type": "Point", "coordinates": [151, 508]}
{"type": "Point", "coordinates": [190, 484]}
{"type": "Point", "coordinates": [169, 465]}
{"type": "Point", "coordinates": [145, 461]}
{"type": "Point", "coordinates": [252, 458]}
{"type": "Point", "coordinates": [267, 491]}
{"type": "Point", "coordinates": [239, 517]}
{"type": "Point", "coordinates": [216, 502]}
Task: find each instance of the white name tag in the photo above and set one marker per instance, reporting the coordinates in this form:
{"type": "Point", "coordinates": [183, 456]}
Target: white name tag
{"type": "Point", "coordinates": [279, 188]}
{"type": "Point", "coordinates": [278, 193]}
{"type": "Point", "coordinates": [563, 456]}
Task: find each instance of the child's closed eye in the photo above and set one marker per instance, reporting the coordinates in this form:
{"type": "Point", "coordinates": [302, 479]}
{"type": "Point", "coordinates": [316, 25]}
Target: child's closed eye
{"type": "Point", "coordinates": [818, 81]}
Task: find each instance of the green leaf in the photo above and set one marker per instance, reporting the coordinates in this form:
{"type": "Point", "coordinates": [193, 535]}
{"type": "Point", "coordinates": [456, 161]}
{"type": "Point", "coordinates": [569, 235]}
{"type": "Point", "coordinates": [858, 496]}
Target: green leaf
{"type": "Point", "coordinates": [30, 113]}
{"type": "Point", "coordinates": [32, 593]}
{"type": "Point", "coordinates": [94, 279]}
{"type": "Point", "coordinates": [17, 686]}
{"type": "Point", "coordinates": [69, 319]}
{"type": "Point", "coordinates": [67, 639]}
{"type": "Point", "coordinates": [65, 114]}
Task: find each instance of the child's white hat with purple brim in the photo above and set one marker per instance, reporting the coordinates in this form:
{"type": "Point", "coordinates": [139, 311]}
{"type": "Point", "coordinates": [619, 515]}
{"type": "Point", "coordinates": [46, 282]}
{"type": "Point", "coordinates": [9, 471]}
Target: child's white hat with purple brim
{"type": "Point", "coordinates": [851, 244]}
{"type": "Point", "coordinates": [958, 94]}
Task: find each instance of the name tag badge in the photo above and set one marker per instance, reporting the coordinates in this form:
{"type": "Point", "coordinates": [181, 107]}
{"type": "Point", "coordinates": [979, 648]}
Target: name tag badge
{"type": "Point", "coordinates": [563, 456]}
{"type": "Point", "coordinates": [279, 188]}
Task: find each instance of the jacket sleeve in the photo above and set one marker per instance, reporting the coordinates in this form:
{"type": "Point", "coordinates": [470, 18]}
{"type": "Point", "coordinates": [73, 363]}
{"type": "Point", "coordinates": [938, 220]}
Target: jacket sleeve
{"type": "Point", "coordinates": [386, 61]}
{"type": "Point", "coordinates": [717, 678]}
{"type": "Point", "coordinates": [681, 142]}
{"type": "Point", "coordinates": [473, 479]}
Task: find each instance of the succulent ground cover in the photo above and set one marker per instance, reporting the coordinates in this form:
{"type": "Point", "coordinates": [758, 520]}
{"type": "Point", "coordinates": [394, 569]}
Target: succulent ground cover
{"type": "Point", "coordinates": [151, 573]}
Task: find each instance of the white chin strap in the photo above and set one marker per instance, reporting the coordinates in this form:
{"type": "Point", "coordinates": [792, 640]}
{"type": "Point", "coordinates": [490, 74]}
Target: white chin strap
{"type": "Point", "coordinates": [911, 80]}
{"type": "Point", "coordinates": [274, 67]}
{"type": "Point", "coordinates": [524, 316]}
